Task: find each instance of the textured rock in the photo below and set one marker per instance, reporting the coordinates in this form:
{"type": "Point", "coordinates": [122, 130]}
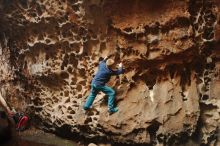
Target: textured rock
{"type": "Point", "coordinates": [169, 94]}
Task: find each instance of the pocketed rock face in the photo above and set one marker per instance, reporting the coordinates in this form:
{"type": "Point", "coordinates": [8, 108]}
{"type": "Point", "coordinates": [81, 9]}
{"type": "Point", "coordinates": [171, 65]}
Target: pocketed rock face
{"type": "Point", "coordinates": [50, 50]}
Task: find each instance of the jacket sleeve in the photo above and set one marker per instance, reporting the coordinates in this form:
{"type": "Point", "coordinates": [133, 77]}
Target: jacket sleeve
{"type": "Point", "coordinates": [118, 72]}
{"type": "Point", "coordinates": [103, 62]}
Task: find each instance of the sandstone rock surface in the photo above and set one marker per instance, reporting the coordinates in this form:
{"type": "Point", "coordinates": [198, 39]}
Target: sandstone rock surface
{"type": "Point", "coordinates": [169, 94]}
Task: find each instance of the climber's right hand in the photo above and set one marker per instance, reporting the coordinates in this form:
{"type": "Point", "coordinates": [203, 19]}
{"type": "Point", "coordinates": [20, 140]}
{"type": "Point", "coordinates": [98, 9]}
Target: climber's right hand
{"type": "Point", "coordinates": [120, 65]}
{"type": "Point", "coordinates": [106, 57]}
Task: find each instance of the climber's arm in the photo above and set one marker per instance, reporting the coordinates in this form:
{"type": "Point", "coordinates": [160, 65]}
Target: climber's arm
{"type": "Point", "coordinates": [104, 60]}
{"type": "Point", "coordinates": [119, 71]}
{"type": "Point", "coordinates": [4, 104]}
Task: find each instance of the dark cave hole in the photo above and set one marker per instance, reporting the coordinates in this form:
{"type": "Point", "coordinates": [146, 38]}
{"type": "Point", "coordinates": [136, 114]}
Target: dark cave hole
{"type": "Point", "coordinates": [64, 75]}
{"type": "Point", "coordinates": [62, 67]}
{"type": "Point", "coordinates": [182, 138]}
{"type": "Point", "coordinates": [155, 28]}
{"type": "Point", "coordinates": [150, 87]}
{"type": "Point", "coordinates": [205, 97]}
{"type": "Point", "coordinates": [210, 66]}
{"type": "Point", "coordinates": [185, 78]}
{"type": "Point", "coordinates": [207, 80]}
{"type": "Point", "coordinates": [199, 66]}
{"type": "Point", "coordinates": [128, 29]}
{"type": "Point", "coordinates": [182, 21]}
{"type": "Point", "coordinates": [208, 33]}
{"type": "Point", "coordinates": [172, 68]}
{"type": "Point", "coordinates": [152, 129]}
{"type": "Point", "coordinates": [75, 8]}
{"type": "Point", "coordinates": [184, 98]}
{"type": "Point", "coordinates": [88, 120]}
{"type": "Point", "coordinates": [150, 79]}
{"type": "Point", "coordinates": [39, 10]}
{"type": "Point", "coordinates": [73, 60]}
{"type": "Point", "coordinates": [161, 138]}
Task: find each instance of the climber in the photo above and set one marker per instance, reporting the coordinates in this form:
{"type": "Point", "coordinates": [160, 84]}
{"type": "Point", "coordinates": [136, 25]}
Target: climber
{"type": "Point", "coordinates": [103, 75]}
{"type": "Point", "coordinates": [19, 119]}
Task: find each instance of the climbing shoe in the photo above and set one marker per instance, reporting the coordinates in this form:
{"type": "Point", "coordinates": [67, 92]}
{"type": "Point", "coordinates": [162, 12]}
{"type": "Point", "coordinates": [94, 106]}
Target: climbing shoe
{"type": "Point", "coordinates": [86, 108]}
{"type": "Point", "coordinates": [114, 110]}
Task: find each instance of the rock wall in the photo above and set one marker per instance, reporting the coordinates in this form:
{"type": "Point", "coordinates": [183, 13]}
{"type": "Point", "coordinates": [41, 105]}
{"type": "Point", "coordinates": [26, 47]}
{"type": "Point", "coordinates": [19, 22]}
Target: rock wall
{"type": "Point", "coordinates": [50, 50]}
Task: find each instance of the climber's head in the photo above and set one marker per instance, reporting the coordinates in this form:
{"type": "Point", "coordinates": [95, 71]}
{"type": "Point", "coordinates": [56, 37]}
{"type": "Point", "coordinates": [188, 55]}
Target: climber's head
{"type": "Point", "coordinates": [110, 63]}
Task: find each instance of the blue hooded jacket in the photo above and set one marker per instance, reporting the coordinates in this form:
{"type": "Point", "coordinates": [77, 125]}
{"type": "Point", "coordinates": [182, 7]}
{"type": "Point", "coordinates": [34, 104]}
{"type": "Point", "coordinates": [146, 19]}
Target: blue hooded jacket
{"type": "Point", "coordinates": [104, 74]}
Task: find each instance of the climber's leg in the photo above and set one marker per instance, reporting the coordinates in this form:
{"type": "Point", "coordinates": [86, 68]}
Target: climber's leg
{"type": "Point", "coordinates": [94, 91]}
{"type": "Point", "coordinates": [111, 98]}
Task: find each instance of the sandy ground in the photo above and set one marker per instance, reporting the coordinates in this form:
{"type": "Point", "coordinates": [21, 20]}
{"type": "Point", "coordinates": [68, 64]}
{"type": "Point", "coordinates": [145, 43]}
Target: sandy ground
{"type": "Point", "coordinates": [35, 137]}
